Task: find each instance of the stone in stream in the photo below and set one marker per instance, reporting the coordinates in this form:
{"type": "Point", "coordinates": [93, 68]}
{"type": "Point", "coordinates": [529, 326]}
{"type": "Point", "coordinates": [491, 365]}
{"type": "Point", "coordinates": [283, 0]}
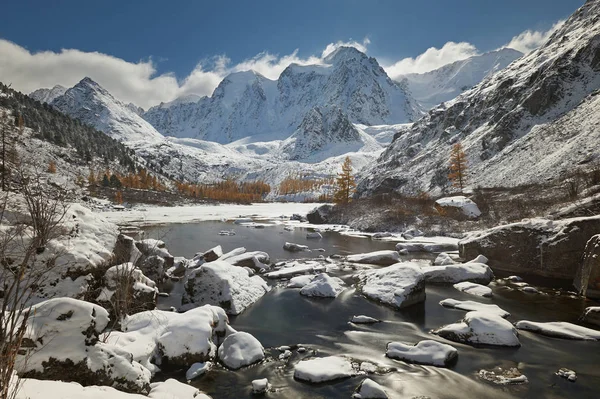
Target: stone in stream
{"type": "Point", "coordinates": [323, 369]}
{"type": "Point", "coordinates": [503, 376]}
{"type": "Point", "coordinates": [398, 286]}
{"type": "Point", "coordinates": [292, 247]}
{"type": "Point", "coordinates": [240, 349]}
{"type": "Point", "coordinates": [568, 374]}
{"type": "Point", "coordinates": [300, 281]}
{"type": "Point", "coordinates": [591, 315]}
{"type": "Point", "coordinates": [474, 289]}
{"type": "Point", "coordinates": [481, 328]}
{"type": "Point", "coordinates": [470, 306]}
{"type": "Point", "coordinates": [382, 258]}
{"type": "Point", "coordinates": [260, 386]}
{"type": "Point", "coordinates": [364, 320]}
{"type": "Point", "coordinates": [324, 286]}
{"type": "Point", "coordinates": [369, 389]}
{"type": "Point", "coordinates": [319, 215]}
{"type": "Point", "coordinates": [451, 274]}
{"type": "Point", "coordinates": [426, 352]}
{"type": "Point", "coordinates": [560, 329]}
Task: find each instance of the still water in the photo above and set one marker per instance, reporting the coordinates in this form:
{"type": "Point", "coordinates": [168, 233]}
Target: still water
{"type": "Point", "coordinates": [283, 317]}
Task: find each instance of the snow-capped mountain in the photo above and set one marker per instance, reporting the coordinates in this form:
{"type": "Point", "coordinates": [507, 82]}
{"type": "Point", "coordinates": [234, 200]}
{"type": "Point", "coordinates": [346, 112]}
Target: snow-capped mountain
{"type": "Point", "coordinates": [326, 132]}
{"type": "Point", "coordinates": [47, 95]}
{"type": "Point", "coordinates": [248, 104]}
{"type": "Point", "coordinates": [445, 83]}
{"type": "Point", "coordinates": [530, 121]}
{"type": "Point", "coordinates": [95, 106]}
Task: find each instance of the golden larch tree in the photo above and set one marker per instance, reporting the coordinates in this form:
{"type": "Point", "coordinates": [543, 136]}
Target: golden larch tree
{"type": "Point", "coordinates": [458, 167]}
{"type": "Point", "coordinates": [52, 167]}
{"type": "Point", "coordinates": [119, 197]}
{"type": "Point", "coordinates": [345, 184]}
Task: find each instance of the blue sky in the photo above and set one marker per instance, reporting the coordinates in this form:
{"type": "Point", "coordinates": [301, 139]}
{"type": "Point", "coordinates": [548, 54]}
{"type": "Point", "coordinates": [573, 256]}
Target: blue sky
{"type": "Point", "coordinates": [176, 36]}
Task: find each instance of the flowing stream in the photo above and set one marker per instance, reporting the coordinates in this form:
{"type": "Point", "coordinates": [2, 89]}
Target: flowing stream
{"type": "Point", "coordinates": [284, 317]}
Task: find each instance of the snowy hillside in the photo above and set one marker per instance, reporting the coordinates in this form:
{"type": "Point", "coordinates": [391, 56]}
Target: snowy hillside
{"type": "Point", "coordinates": [95, 106]}
{"type": "Point", "coordinates": [530, 121]}
{"type": "Point", "coordinates": [47, 95]}
{"type": "Point", "coordinates": [248, 104]}
{"type": "Point", "coordinates": [445, 83]}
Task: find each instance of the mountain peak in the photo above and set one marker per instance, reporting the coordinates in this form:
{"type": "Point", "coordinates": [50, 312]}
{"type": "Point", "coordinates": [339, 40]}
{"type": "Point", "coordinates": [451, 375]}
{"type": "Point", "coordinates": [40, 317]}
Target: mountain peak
{"type": "Point", "coordinates": [344, 53]}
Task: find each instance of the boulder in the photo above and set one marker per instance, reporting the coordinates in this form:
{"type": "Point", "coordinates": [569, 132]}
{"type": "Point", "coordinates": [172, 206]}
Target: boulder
{"type": "Point", "coordinates": [213, 254]}
{"type": "Point", "coordinates": [319, 215]}
{"type": "Point", "coordinates": [324, 286]}
{"type": "Point", "coordinates": [481, 328]}
{"type": "Point", "coordinates": [323, 369]}
{"type": "Point", "coordinates": [256, 260]}
{"type": "Point", "coordinates": [173, 389]}
{"type": "Point", "coordinates": [591, 315]}
{"type": "Point", "coordinates": [537, 247]}
{"type": "Point", "coordinates": [240, 349]}
{"type": "Point", "coordinates": [222, 284]}
{"type": "Point", "coordinates": [560, 329]}
{"type": "Point", "coordinates": [292, 247]}
{"type": "Point", "coordinates": [426, 352]}
{"type": "Point", "coordinates": [382, 258]}
{"type": "Point", "coordinates": [458, 207]}
{"type": "Point", "coordinates": [474, 289]}
{"type": "Point", "coordinates": [369, 389]}
{"type": "Point", "coordinates": [456, 273]}
{"type": "Point", "coordinates": [398, 286]}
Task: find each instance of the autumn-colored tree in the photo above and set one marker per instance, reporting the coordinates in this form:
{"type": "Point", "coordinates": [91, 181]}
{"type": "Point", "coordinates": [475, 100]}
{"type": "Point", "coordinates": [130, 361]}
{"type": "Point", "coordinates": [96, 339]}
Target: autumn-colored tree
{"type": "Point", "coordinates": [52, 167]}
{"type": "Point", "coordinates": [92, 178]}
{"type": "Point", "coordinates": [458, 167]}
{"type": "Point", "coordinates": [345, 184]}
{"type": "Point", "coordinates": [119, 197]}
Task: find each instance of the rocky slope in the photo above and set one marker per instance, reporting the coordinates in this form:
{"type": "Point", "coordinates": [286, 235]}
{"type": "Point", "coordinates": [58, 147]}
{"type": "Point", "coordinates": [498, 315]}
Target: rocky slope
{"type": "Point", "coordinates": [248, 104]}
{"type": "Point", "coordinates": [445, 83]}
{"type": "Point", "coordinates": [531, 121]}
{"type": "Point", "coordinates": [47, 95]}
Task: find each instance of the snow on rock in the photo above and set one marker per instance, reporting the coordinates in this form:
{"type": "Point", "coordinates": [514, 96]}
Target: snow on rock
{"type": "Point", "coordinates": [479, 328]}
{"type": "Point", "coordinates": [39, 389]}
{"type": "Point", "coordinates": [197, 369]}
{"type": "Point", "coordinates": [173, 389]}
{"type": "Point", "coordinates": [479, 259]}
{"type": "Point", "coordinates": [222, 284]}
{"type": "Point", "coordinates": [323, 369]}
{"type": "Point", "coordinates": [240, 349]}
{"type": "Point", "coordinates": [141, 291]}
{"type": "Point", "coordinates": [383, 258]}
{"type": "Point", "coordinates": [257, 259]}
{"type": "Point", "coordinates": [423, 352]}
{"type": "Point", "coordinates": [458, 205]}
{"type": "Point", "coordinates": [399, 286]}
{"type": "Point", "coordinates": [369, 389]}
{"type": "Point", "coordinates": [64, 333]}
{"type": "Point", "coordinates": [591, 315]}
{"type": "Point", "coordinates": [560, 329]}
{"type": "Point", "coordinates": [529, 289]}
{"type": "Point", "coordinates": [300, 281]}
{"type": "Point", "coordinates": [452, 274]}
{"type": "Point", "coordinates": [290, 246]}
{"type": "Point", "coordinates": [428, 244]}
{"type": "Point", "coordinates": [323, 285]}
{"type": "Point", "coordinates": [364, 320]}
{"type": "Point", "coordinates": [472, 305]}
{"type": "Point", "coordinates": [260, 386]}
{"type": "Point", "coordinates": [568, 374]}
{"type": "Point", "coordinates": [443, 259]}
{"type": "Point", "coordinates": [501, 376]}
{"type": "Point", "coordinates": [295, 268]}
{"type": "Point", "coordinates": [213, 254]}
{"type": "Point", "coordinates": [474, 289]}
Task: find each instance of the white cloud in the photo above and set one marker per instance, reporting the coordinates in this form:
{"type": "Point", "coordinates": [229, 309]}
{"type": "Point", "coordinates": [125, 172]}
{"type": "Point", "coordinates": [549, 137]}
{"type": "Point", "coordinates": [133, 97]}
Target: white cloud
{"type": "Point", "coordinates": [431, 59]}
{"type": "Point", "coordinates": [530, 40]}
{"type": "Point", "coordinates": [360, 46]}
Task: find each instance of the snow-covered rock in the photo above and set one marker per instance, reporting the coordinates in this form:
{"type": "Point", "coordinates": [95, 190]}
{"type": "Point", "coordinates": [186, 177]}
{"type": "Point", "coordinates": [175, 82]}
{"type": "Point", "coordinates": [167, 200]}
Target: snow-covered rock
{"type": "Point", "coordinates": [173, 389]}
{"type": "Point", "coordinates": [443, 259]}
{"type": "Point", "coordinates": [474, 289]}
{"type": "Point", "coordinates": [300, 281]}
{"type": "Point", "coordinates": [567, 373]}
{"type": "Point", "coordinates": [452, 274]}
{"type": "Point", "coordinates": [423, 352]}
{"type": "Point", "coordinates": [323, 285]}
{"type": "Point", "coordinates": [260, 386]}
{"type": "Point", "coordinates": [323, 369]}
{"type": "Point", "coordinates": [292, 247]}
{"type": "Point", "coordinates": [222, 284]}
{"type": "Point", "coordinates": [399, 286]}
{"type": "Point", "coordinates": [503, 376]}
{"type": "Point", "coordinates": [126, 282]}
{"type": "Point", "coordinates": [481, 328]}
{"type": "Point", "coordinates": [472, 305]}
{"type": "Point", "coordinates": [240, 349]}
{"type": "Point", "coordinates": [213, 254]}
{"type": "Point", "coordinates": [369, 389]}
{"type": "Point", "coordinates": [364, 320]}
{"type": "Point", "coordinates": [383, 258]}
{"type": "Point", "coordinates": [295, 268]}
{"type": "Point", "coordinates": [591, 315]}
{"type": "Point", "coordinates": [560, 329]}
{"type": "Point", "coordinates": [256, 259]}
{"type": "Point", "coordinates": [198, 369]}
{"type": "Point", "coordinates": [64, 337]}
{"type": "Point", "coordinates": [458, 207]}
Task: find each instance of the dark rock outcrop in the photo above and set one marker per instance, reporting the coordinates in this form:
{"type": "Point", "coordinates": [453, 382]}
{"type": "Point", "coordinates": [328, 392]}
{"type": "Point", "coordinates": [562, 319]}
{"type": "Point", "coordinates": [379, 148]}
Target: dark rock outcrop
{"type": "Point", "coordinates": [319, 215]}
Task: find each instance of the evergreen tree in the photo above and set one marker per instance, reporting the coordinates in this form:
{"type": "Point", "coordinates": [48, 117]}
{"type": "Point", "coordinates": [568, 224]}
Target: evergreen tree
{"type": "Point", "coordinates": [115, 182]}
{"type": "Point", "coordinates": [105, 181]}
{"type": "Point", "coordinates": [458, 167]}
{"type": "Point", "coordinates": [345, 184]}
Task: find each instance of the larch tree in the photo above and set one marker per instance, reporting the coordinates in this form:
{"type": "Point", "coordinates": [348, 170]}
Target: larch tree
{"type": "Point", "coordinates": [345, 184]}
{"type": "Point", "coordinates": [458, 167]}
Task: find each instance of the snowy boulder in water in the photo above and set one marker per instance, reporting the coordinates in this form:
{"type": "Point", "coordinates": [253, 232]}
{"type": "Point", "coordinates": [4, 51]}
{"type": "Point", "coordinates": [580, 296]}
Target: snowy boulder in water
{"type": "Point", "coordinates": [443, 259]}
{"type": "Point", "coordinates": [479, 259]}
{"type": "Point", "coordinates": [300, 281]}
{"type": "Point", "coordinates": [369, 389]}
{"type": "Point", "coordinates": [458, 207]}
{"type": "Point", "coordinates": [213, 254]}
{"type": "Point", "coordinates": [591, 315]}
{"type": "Point", "coordinates": [399, 286]}
{"type": "Point", "coordinates": [292, 247]}
{"type": "Point", "coordinates": [260, 386]}
{"type": "Point", "coordinates": [568, 374]}
{"type": "Point", "coordinates": [173, 389]}
{"type": "Point", "coordinates": [560, 329]}
{"type": "Point", "coordinates": [64, 338]}
{"type": "Point", "coordinates": [255, 259]}
{"type": "Point", "coordinates": [319, 215]}
{"type": "Point", "coordinates": [219, 283]}
{"type": "Point", "coordinates": [323, 369]}
{"type": "Point", "coordinates": [424, 352]}
{"type": "Point", "coordinates": [382, 258]}
{"type": "Point", "coordinates": [503, 376]}
{"type": "Point", "coordinates": [470, 306]}
{"type": "Point", "coordinates": [481, 328]}
{"type": "Point", "coordinates": [240, 349]}
{"type": "Point", "coordinates": [197, 369]}
{"type": "Point", "coordinates": [474, 289]}
{"type": "Point", "coordinates": [323, 285]}
{"type": "Point", "coordinates": [452, 274]}
{"type": "Point", "coordinates": [364, 320]}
